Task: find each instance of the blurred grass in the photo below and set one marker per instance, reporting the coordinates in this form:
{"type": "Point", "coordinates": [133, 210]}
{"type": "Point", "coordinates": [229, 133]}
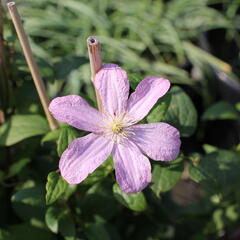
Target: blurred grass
{"type": "Point", "coordinates": [145, 37]}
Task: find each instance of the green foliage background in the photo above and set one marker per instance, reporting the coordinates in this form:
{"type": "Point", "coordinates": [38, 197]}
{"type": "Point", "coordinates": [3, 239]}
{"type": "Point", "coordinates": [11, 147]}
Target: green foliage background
{"type": "Point", "coordinates": [195, 44]}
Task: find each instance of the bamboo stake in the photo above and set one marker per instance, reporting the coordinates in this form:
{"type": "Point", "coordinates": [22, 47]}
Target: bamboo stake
{"type": "Point", "coordinates": [94, 55]}
{"type": "Point", "coordinates": [2, 67]}
{"type": "Point", "coordinates": [31, 63]}
{"type": "Point", "coordinates": [95, 60]}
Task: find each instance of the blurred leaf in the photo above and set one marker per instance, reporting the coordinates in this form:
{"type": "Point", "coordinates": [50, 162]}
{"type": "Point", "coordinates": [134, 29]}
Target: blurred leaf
{"type": "Point", "coordinates": [232, 212]}
{"type": "Point", "coordinates": [84, 9]}
{"type": "Point", "coordinates": [71, 188]}
{"type": "Point", "coordinates": [218, 171]}
{"type": "Point", "coordinates": [158, 111]}
{"type": "Point", "coordinates": [25, 231]}
{"type": "Point", "coordinates": [238, 107]}
{"type": "Point", "coordinates": [101, 172]}
{"type": "Point", "coordinates": [99, 200]}
{"type": "Point", "coordinates": [33, 196]}
{"type": "Point", "coordinates": [197, 54]}
{"type": "Point", "coordinates": [218, 219]}
{"type": "Point", "coordinates": [2, 175]}
{"type": "Point", "coordinates": [96, 231]}
{"type": "Point", "coordinates": [74, 83]}
{"type": "Point", "coordinates": [134, 80]}
{"type": "Point", "coordinates": [29, 204]}
{"type": "Point", "coordinates": [67, 227]}
{"type": "Point", "coordinates": [26, 91]}
{"type": "Point", "coordinates": [55, 187]}
{"type": "Point", "coordinates": [20, 127]}
{"type": "Point", "coordinates": [52, 217]}
{"type": "Point", "coordinates": [209, 148]}
{"type": "Point", "coordinates": [16, 167]}
{"type": "Point", "coordinates": [51, 136]}
{"type": "Point", "coordinates": [134, 201]}
{"type": "Point", "coordinates": [181, 112]}
{"type": "Point", "coordinates": [221, 110]}
{"type": "Point", "coordinates": [165, 176]}
{"type": "Point", "coordinates": [58, 219]}
{"type": "Point", "coordinates": [66, 136]}
{"type": "Point", "coordinates": [67, 64]}
{"type": "Point", "coordinates": [4, 235]}
{"type": "Point", "coordinates": [177, 75]}
{"type": "Point", "coordinates": [30, 213]}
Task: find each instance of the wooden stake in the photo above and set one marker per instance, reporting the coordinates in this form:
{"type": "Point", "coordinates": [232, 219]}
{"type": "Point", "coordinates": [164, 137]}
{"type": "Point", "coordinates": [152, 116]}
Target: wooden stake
{"type": "Point", "coordinates": [31, 63]}
{"type": "Point", "coordinates": [95, 61]}
{"type": "Point", "coordinates": [94, 55]}
{"type": "Point", "coordinates": [2, 63]}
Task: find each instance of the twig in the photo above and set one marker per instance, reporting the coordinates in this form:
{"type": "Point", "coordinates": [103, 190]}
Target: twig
{"type": "Point", "coordinates": [3, 78]}
{"type": "Point", "coordinates": [2, 117]}
{"type": "Point", "coordinates": [31, 63]}
{"type": "Point", "coordinates": [95, 60]}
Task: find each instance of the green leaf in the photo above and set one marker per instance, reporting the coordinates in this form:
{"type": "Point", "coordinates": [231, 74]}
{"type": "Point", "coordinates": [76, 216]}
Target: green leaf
{"type": "Point", "coordinates": [2, 175]}
{"type": "Point", "coordinates": [97, 231]}
{"type": "Point", "coordinates": [101, 172]}
{"type": "Point", "coordinates": [165, 176]}
{"type": "Point", "coordinates": [33, 196]}
{"type": "Point", "coordinates": [221, 110]}
{"type": "Point", "coordinates": [67, 65]}
{"type": "Point", "coordinates": [4, 235]}
{"type": "Point", "coordinates": [232, 212]}
{"type": "Point", "coordinates": [134, 80]}
{"type": "Point", "coordinates": [217, 171]}
{"type": "Point", "coordinates": [158, 112]}
{"type": "Point", "coordinates": [67, 135]}
{"type": "Point", "coordinates": [58, 219]}
{"type": "Point", "coordinates": [197, 54]}
{"type": "Point", "coordinates": [51, 136]}
{"type": "Point", "coordinates": [67, 227]}
{"type": "Point", "coordinates": [52, 217]}
{"type": "Point", "coordinates": [55, 187]}
{"type": "Point", "coordinates": [16, 167]}
{"type": "Point", "coordinates": [95, 199]}
{"type": "Point", "coordinates": [238, 106]}
{"type": "Point", "coordinates": [181, 112]}
{"type": "Point", "coordinates": [134, 201]}
{"type": "Point", "coordinates": [218, 219]}
{"type": "Point", "coordinates": [209, 148]}
{"type": "Point", "coordinates": [71, 188]}
{"type": "Point", "coordinates": [25, 231]}
{"type": "Point", "coordinates": [20, 127]}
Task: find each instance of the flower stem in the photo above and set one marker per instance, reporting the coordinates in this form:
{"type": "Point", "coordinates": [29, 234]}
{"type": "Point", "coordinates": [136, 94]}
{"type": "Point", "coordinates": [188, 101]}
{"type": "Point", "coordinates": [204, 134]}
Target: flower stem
{"type": "Point", "coordinates": [31, 63]}
{"type": "Point", "coordinates": [95, 61]}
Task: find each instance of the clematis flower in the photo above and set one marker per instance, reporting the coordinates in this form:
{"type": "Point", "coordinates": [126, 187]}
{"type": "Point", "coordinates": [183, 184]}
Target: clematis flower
{"type": "Point", "coordinates": [113, 130]}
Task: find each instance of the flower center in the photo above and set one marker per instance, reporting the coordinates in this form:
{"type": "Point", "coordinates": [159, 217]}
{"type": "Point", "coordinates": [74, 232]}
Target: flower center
{"type": "Point", "coordinates": [117, 128]}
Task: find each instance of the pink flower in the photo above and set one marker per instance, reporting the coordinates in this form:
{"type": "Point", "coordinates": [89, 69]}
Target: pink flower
{"type": "Point", "coordinates": [114, 130]}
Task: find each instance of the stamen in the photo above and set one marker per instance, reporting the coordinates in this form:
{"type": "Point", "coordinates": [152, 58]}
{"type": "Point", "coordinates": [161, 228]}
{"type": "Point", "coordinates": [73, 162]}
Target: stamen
{"type": "Point", "coordinates": [116, 127]}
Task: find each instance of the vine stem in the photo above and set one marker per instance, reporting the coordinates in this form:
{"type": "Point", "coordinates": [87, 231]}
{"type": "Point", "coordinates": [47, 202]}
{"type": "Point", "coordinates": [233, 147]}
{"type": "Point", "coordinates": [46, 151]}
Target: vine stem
{"type": "Point", "coordinates": [94, 53]}
{"type": "Point", "coordinates": [31, 63]}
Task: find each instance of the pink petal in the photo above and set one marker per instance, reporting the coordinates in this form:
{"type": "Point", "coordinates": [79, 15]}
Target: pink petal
{"type": "Point", "coordinates": [112, 86]}
{"type": "Point", "coordinates": [148, 91]}
{"type": "Point", "coordinates": [160, 141]}
{"type": "Point", "coordinates": [83, 156]}
{"type": "Point", "coordinates": [75, 111]}
{"type": "Point", "coordinates": [133, 169]}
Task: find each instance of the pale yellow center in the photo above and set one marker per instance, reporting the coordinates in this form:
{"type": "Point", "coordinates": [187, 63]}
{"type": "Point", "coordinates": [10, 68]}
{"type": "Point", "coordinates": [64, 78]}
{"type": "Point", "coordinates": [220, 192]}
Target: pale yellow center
{"type": "Point", "coordinates": [116, 127]}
